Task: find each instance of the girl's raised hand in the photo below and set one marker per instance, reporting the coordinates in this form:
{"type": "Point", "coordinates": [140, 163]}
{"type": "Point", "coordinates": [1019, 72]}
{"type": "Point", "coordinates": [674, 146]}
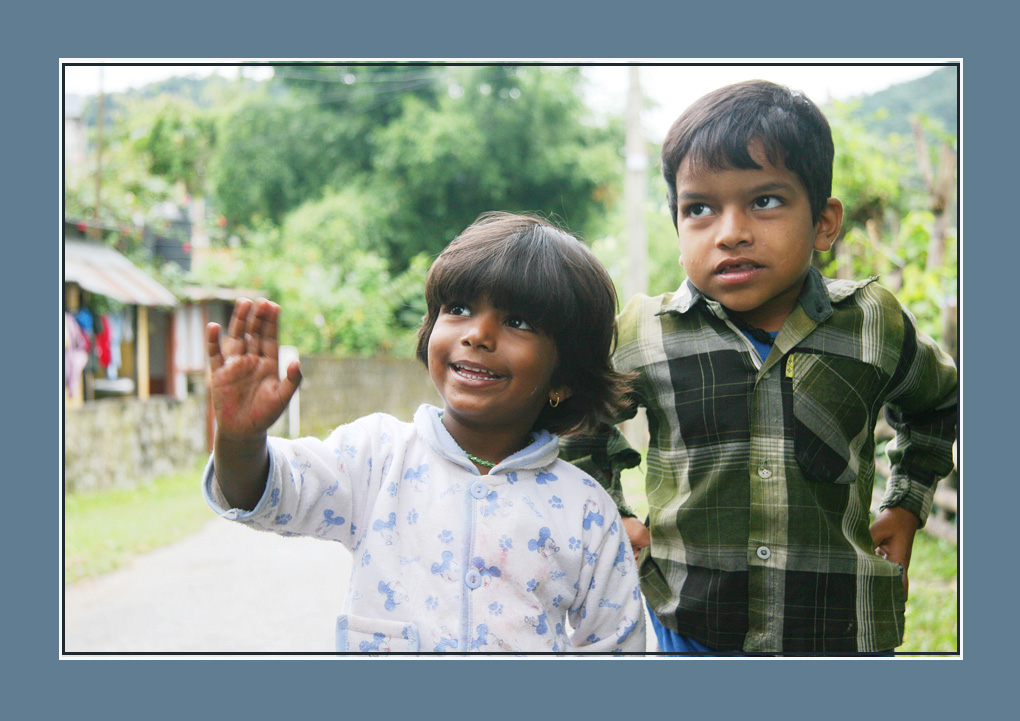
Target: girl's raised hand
{"type": "Point", "coordinates": [248, 394]}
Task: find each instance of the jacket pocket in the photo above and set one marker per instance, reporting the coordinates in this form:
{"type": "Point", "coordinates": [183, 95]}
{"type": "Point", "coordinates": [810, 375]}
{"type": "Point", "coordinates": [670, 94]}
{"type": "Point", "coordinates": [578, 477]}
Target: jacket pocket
{"type": "Point", "coordinates": [833, 410]}
{"type": "Point", "coordinates": [358, 634]}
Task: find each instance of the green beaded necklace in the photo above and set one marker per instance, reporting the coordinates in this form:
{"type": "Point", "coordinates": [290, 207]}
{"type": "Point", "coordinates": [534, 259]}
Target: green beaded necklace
{"type": "Point", "coordinates": [476, 459]}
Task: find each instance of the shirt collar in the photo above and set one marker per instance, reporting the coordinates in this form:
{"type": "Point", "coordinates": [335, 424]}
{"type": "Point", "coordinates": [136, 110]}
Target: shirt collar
{"type": "Point", "coordinates": [816, 298]}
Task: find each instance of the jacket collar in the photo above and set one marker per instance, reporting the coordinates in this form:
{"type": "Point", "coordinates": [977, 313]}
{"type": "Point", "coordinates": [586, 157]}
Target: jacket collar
{"type": "Point", "coordinates": [540, 453]}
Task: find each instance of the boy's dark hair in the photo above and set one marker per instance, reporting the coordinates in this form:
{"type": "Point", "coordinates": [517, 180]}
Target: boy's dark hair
{"type": "Point", "coordinates": [717, 129]}
{"type": "Point", "coordinates": [523, 264]}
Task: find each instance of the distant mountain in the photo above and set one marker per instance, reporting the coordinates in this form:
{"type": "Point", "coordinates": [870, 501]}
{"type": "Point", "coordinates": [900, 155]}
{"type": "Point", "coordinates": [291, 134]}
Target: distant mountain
{"type": "Point", "coordinates": [204, 92]}
{"type": "Point", "coordinates": [934, 96]}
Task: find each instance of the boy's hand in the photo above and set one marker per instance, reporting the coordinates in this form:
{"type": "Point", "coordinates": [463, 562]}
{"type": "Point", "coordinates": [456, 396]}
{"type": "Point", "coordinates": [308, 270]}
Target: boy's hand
{"type": "Point", "coordinates": [893, 534]}
{"type": "Point", "coordinates": [247, 392]}
{"type": "Point", "coordinates": [638, 534]}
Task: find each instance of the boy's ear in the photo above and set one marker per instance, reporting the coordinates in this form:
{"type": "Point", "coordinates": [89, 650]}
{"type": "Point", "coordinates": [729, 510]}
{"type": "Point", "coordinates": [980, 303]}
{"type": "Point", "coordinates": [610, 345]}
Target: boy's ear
{"type": "Point", "coordinates": [829, 223]}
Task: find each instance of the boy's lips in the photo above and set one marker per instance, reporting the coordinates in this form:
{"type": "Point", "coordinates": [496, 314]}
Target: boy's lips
{"type": "Point", "coordinates": [737, 270]}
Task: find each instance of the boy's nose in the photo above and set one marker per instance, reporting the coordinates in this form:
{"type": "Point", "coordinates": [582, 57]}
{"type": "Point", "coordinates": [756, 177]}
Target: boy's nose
{"type": "Point", "coordinates": [734, 229]}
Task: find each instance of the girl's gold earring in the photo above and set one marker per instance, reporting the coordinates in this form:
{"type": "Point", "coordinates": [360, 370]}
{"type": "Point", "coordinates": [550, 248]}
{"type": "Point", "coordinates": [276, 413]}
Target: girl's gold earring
{"type": "Point", "coordinates": [554, 401]}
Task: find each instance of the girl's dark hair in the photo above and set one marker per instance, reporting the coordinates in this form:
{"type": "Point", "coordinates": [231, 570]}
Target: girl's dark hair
{"type": "Point", "coordinates": [717, 129]}
{"type": "Point", "coordinates": [525, 265]}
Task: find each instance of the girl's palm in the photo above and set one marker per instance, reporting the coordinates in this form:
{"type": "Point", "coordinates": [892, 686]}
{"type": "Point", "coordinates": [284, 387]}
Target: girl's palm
{"type": "Point", "coordinates": [248, 394]}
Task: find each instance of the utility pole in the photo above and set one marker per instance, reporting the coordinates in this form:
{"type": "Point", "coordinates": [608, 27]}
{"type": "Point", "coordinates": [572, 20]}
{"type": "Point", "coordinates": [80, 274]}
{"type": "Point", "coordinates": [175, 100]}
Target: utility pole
{"type": "Point", "coordinates": [93, 230]}
{"type": "Point", "coordinates": [635, 191]}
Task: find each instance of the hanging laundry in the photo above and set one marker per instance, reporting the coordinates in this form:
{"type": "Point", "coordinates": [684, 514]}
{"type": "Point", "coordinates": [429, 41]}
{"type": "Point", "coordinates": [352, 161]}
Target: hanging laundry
{"type": "Point", "coordinates": [116, 321]}
{"type": "Point", "coordinates": [103, 342]}
{"type": "Point", "coordinates": [84, 318]}
{"type": "Point", "coordinates": [76, 353]}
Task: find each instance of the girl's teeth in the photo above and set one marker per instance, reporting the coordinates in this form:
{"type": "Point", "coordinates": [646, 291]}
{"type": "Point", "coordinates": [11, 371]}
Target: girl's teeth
{"type": "Point", "coordinates": [475, 372]}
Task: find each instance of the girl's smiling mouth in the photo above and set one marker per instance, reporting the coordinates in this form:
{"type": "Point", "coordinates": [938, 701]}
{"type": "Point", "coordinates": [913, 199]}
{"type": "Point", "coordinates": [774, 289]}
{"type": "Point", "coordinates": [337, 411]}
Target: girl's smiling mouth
{"type": "Point", "coordinates": [475, 372]}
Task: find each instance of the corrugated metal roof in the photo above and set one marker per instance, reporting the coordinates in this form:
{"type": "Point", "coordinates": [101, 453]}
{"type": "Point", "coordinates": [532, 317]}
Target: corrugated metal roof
{"type": "Point", "coordinates": [199, 293]}
{"type": "Point", "coordinates": [100, 269]}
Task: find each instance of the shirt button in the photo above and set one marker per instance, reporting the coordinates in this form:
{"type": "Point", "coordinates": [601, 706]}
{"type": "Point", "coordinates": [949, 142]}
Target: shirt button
{"type": "Point", "coordinates": [479, 489]}
{"type": "Point", "coordinates": [764, 471]}
{"type": "Point", "coordinates": [473, 579]}
{"type": "Point", "coordinates": [763, 553]}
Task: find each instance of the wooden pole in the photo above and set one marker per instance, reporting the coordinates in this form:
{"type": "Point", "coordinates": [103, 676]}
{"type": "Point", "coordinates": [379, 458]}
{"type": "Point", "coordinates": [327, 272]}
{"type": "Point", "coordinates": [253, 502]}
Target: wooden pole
{"type": "Point", "coordinates": [142, 352]}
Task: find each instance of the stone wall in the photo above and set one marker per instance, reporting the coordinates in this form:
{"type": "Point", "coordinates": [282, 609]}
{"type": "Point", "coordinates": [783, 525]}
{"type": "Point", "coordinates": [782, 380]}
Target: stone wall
{"type": "Point", "coordinates": [335, 391]}
{"type": "Point", "coordinates": [112, 443]}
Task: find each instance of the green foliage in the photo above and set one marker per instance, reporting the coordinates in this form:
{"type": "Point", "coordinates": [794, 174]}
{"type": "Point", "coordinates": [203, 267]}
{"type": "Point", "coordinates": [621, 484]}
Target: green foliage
{"type": "Point", "coordinates": [934, 96]}
{"type": "Point", "coordinates": [868, 171]}
{"type": "Point", "coordinates": [502, 138]}
{"type": "Point", "coordinates": [362, 98]}
{"type": "Point", "coordinates": [104, 529]}
{"type": "Point", "coordinates": [887, 224]}
{"type": "Point", "coordinates": [272, 155]}
{"type": "Point", "coordinates": [176, 138]}
{"type": "Point", "coordinates": [323, 265]}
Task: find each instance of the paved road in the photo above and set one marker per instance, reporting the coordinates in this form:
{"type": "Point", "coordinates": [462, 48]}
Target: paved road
{"type": "Point", "coordinates": [226, 589]}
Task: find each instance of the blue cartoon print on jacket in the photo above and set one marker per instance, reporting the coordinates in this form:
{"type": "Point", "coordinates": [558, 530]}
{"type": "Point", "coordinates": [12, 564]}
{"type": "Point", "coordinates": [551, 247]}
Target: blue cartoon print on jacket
{"type": "Point", "coordinates": [378, 643]}
{"type": "Point", "coordinates": [387, 528]}
{"type": "Point", "coordinates": [544, 544]}
{"type": "Point", "coordinates": [444, 639]}
{"type": "Point", "coordinates": [487, 573]}
{"type": "Point", "coordinates": [418, 477]}
{"type": "Point", "coordinates": [395, 593]}
{"type": "Point", "coordinates": [328, 521]}
{"type": "Point", "coordinates": [448, 569]}
{"type": "Point", "coordinates": [624, 628]}
{"type": "Point", "coordinates": [592, 515]}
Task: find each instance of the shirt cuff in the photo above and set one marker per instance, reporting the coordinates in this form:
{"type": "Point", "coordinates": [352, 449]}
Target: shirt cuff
{"type": "Point", "coordinates": [912, 495]}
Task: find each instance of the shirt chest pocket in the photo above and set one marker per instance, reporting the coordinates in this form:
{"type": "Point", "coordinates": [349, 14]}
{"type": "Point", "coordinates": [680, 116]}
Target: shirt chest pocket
{"type": "Point", "coordinates": [834, 403]}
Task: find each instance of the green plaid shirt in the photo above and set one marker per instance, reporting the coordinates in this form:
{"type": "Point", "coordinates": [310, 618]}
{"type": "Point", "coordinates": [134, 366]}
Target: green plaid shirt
{"type": "Point", "coordinates": [760, 474]}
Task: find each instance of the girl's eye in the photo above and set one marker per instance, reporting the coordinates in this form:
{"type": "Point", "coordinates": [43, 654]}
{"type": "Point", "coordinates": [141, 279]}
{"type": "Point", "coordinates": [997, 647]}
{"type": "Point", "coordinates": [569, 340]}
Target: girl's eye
{"type": "Point", "coordinates": [767, 202]}
{"type": "Point", "coordinates": [697, 210]}
{"type": "Point", "coordinates": [519, 323]}
{"type": "Point", "coordinates": [458, 309]}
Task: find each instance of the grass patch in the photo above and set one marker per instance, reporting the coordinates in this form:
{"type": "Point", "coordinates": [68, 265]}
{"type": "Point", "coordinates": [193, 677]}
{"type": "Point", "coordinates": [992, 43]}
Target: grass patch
{"type": "Point", "coordinates": [104, 529]}
{"type": "Point", "coordinates": [931, 615]}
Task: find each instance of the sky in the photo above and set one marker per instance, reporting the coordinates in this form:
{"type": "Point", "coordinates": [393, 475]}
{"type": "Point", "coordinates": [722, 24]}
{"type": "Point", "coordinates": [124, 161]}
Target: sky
{"type": "Point", "coordinates": [670, 85]}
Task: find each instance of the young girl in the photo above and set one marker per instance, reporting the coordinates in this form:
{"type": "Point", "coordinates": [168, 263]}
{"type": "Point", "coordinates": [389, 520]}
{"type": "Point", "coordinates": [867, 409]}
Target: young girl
{"type": "Point", "coordinates": [468, 533]}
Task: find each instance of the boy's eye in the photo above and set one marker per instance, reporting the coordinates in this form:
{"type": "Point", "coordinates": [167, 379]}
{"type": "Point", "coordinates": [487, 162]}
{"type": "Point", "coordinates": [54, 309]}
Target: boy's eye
{"type": "Point", "coordinates": [697, 210]}
{"type": "Point", "coordinates": [767, 202]}
{"type": "Point", "coordinates": [519, 323]}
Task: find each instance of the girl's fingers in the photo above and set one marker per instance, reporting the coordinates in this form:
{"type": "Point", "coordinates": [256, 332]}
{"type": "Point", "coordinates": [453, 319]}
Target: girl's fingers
{"type": "Point", "coordinates": [291, 381]}
{"type": "Point", "coordinates": [270, 327]}
{"type": "Point", "coordinates": [239, 319]}
{"type": "Point", "coordinates": [213, 346]}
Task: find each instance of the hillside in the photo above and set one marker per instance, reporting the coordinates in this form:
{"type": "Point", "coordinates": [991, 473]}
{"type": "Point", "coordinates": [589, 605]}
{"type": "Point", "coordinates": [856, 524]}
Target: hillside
{"type": "Point", "coordinates": [934, 95]}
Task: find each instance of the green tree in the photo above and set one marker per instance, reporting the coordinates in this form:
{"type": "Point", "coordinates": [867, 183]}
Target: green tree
{"type": "Point", "coordinates": [323, 266]}
{"type": "Point", "coordinates": [176, 138]}
{"type": "Point", "coordinates": [273, 154]}
{"type": "Point", "coordinates": [502, 138]}
{"type": "Point", "coordinates": [362, 98]}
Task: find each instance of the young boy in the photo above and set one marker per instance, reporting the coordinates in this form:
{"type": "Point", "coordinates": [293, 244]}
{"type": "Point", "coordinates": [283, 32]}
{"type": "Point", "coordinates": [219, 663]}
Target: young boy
{"type": "Point", "coordinates": [763, 382]}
